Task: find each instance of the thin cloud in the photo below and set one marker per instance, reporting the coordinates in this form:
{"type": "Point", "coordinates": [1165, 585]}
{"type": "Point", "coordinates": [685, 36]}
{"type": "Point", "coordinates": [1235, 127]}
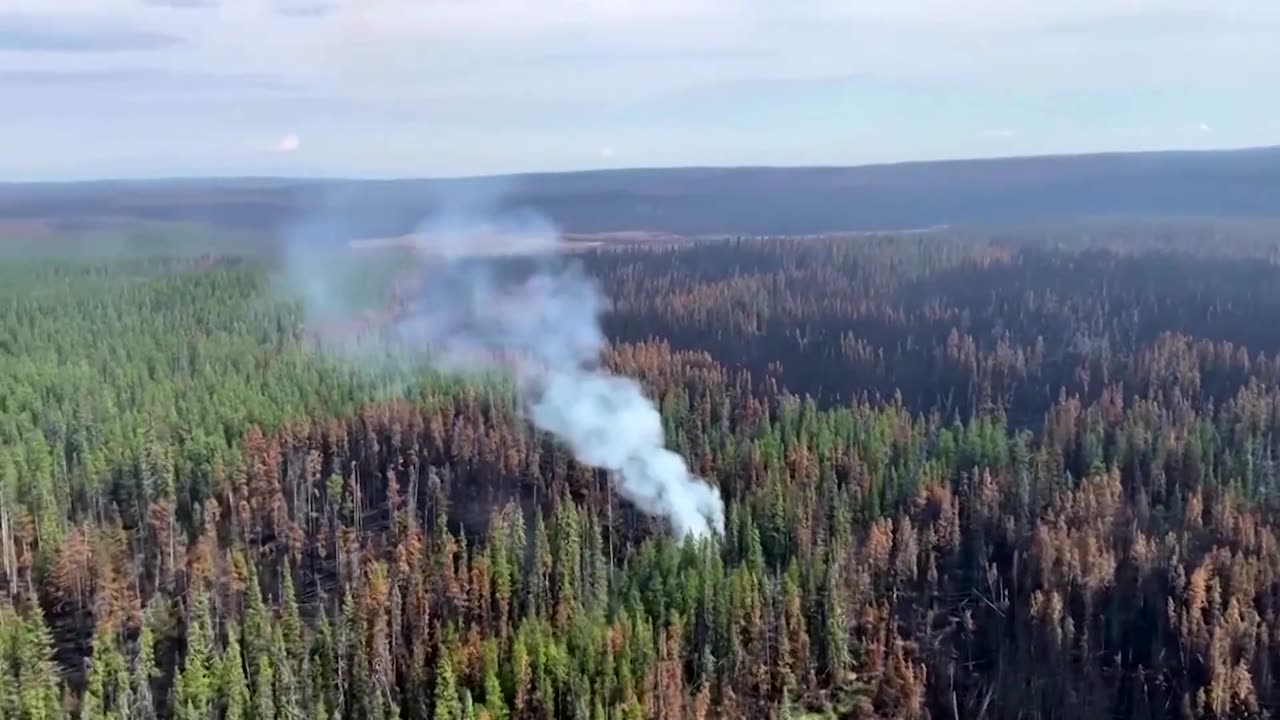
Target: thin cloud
{"type": "Point", "coordinates": [185, 4]}
{"type": "Point", "coordinates": [306, 9]}
{"type": "Point", "coordinates": [1204, 128]}
{"type": "Point", "coordinates": [1154, 20]}
{"type": "Point", "coordinates": [143, 80]}
{"type": "Point", "coordinates": [29, 33]}
{"type": "Point", "coordinates": [289, 143]}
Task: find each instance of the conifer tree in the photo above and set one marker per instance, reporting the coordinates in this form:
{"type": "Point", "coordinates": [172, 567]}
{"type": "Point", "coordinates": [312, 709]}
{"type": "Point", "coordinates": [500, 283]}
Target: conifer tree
{"type": "Point", "coordinates": [495, 701]}
{"type": "Point", "coordinates": [446, 704]}
{"type": "Point", "coordinates": [143, 669]}
{"type": "Point", "coordinates": [37, 681]}
{"type": "Point", "coordinates": [193, 690]}
{"type": "Point", "coordinates": [264, 706]}
{"type": "Point", "coordinates": [233, 686]}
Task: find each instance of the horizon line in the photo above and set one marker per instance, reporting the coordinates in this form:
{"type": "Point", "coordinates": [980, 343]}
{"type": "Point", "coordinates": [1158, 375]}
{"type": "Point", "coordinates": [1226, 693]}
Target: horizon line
{"type": "Point", "coordinates": [215, 177]}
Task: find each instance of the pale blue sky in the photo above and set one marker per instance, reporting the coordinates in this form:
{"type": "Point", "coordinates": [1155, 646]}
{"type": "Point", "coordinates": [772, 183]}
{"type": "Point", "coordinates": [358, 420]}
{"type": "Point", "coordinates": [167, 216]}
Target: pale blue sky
{"type": "Point", "coordinates": [137, 88]}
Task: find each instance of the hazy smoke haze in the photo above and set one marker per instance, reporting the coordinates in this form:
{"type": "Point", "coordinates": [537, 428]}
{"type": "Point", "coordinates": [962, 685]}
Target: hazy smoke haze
{"type": "Point", "coordinates": [494, 291]}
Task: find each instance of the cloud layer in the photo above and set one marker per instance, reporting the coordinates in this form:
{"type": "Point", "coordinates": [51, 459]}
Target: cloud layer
{"type": "Point", "coordinates": [289, 143]}
{"type": "Point", "coordinates": [40, 33]}
{"type": "Point", "coordinates": [414, 87]}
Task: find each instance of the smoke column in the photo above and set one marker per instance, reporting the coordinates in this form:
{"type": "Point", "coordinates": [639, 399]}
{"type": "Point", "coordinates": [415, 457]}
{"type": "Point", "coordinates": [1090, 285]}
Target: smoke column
{"type": "Point", "coordinates": [496, 291]}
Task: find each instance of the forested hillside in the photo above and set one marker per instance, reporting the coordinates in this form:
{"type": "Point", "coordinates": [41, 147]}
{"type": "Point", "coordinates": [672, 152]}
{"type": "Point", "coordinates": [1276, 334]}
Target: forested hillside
{"type": "Point", "coordinates": [1024, 474]}
{"type": "Point", "coordinates": [702, 201]}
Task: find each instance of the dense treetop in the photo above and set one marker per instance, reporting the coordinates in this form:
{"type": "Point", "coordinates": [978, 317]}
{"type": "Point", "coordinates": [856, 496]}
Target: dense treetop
{"type": "Point", "coordinates": [968, 474]}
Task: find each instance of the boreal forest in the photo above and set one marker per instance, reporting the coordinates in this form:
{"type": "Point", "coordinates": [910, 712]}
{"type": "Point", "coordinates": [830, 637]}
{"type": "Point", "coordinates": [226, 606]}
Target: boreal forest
{"type": "Point", "coordinates": [970, 473]}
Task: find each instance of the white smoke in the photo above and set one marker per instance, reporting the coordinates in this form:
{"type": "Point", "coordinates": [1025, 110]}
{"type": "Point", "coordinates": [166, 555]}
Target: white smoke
{"type": "Point", "coordinates": [498, 292]}
{"type": "Point", "coordinates": [608, 423]}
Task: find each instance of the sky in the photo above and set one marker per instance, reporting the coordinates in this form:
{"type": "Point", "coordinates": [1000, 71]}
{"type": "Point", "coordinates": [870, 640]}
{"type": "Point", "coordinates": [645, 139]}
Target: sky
{"type": "Point", "coordinates": [429, 88]}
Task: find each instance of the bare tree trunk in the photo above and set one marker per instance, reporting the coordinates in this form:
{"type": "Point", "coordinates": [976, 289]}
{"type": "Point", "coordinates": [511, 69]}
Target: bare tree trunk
{"type": "Point", "coordinates": [7, 550]}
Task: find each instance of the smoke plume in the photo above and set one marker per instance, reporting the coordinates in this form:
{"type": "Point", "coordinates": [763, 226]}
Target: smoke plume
{"type": "Point", "coordinates": [497, 291]}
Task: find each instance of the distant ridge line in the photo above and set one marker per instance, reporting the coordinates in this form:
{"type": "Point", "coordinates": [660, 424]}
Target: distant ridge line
{"type": "Point", "coordinates": [706, 200]}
